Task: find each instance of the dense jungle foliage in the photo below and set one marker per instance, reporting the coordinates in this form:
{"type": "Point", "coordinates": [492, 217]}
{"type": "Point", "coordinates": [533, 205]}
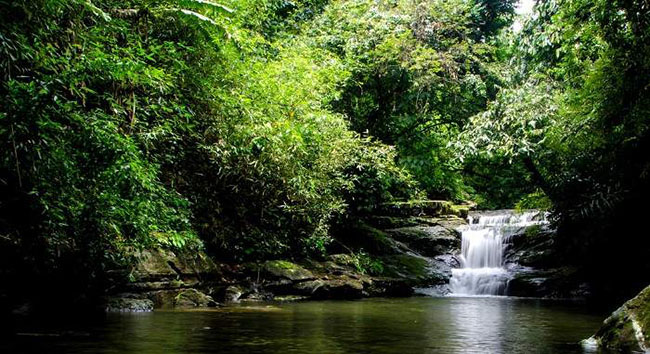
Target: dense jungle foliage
{"type": "Point", "coordinates": [576, 113]}
{"type": "Point", "coordinates": [250, 127]}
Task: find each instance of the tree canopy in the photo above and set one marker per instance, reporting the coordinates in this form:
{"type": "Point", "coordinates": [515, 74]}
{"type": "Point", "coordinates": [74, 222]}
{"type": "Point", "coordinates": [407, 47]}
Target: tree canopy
{"type": "Point", "coordinates": [251, 127]}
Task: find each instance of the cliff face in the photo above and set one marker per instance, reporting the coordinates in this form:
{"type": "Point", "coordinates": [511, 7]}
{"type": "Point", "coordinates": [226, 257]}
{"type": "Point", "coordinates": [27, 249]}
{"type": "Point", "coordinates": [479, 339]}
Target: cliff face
{"type": "Point", "coordinates": [628, 328]}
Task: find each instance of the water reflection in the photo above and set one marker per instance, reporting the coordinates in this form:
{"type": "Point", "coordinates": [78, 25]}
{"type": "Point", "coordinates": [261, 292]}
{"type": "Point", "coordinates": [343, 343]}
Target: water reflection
{"type": "Point", "coordinates": [414, 325]}
{"type": "Point", "coordinates": [478, 324]}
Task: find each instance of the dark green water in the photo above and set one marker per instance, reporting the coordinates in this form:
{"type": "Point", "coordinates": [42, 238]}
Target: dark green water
{"type": "Point", "coordinates": [411, 325]}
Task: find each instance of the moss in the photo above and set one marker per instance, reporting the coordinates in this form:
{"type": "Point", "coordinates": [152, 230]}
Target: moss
{"type": "Point", "coordinates": [414, 270]}
{"type": "Point", "coordinates": [618, 331]}
{"type": "Point", "coordinates": [619, 334]}
{"type": "Point", "coordinates": [533, 231]}
{"type": "Point", "coordinates": [189, 298]}
{"type": "Point", "coordinates": [639, 307]}
{"type": "Point", "coordinates": [284, 264]}
{"type": "Point", "coordinates": [288, 270]}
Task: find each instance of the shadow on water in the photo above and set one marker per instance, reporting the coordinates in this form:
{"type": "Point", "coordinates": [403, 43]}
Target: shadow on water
{"type": "Point", "coordinates": [412, 325]}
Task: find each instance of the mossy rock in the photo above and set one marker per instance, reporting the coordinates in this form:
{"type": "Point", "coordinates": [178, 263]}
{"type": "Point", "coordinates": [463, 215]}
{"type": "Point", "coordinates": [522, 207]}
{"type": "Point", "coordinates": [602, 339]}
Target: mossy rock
{"type": "Point", "coordinates": [560, 283]}
{"type": "Point", "coordinates": [181, 298]}
{"type": "Point", "coordinates": [160, 264]}
{"type": "Point", "coordinates": [287, 270]}
{"type": "Point", "coordinates": [533, 247]}
{"type": "Point", "coordinates": [458, 210]}
{"type": "Point", "coordinates": [362, 236]}
{"type": "Point", "coordinates": [628, 328]}
{"type": "Point", "coordinates": [154, 265]}
{"type": "Point", "coordinates": [429, 241]}
{"type": "Point", "coordinates": [190, 298]}
{"type": "Point", "coordinates": [425, 208]}
{"type": "Point", "coordinates": [416, 271]}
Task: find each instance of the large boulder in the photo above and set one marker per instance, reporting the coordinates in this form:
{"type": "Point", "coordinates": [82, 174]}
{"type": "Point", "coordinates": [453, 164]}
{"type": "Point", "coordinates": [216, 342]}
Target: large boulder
{"type": "Point", "coordinates": [534, 247]}
{"type": "Point", "coordinates": [428, 241]}
{"type": "Point", "coordinates": [337, 288]}
{"type": "Point", "coordinates": [561, 282]}
{"type": "Point", "coordinates": [164, 265]}
{"type": "Point", "coordinates": [161, 278]}
{"type": "Point", "coordinates": [233, 293]}
{"type": "Point", "coordinates": [415, 270]}
{"type": "Point", "coordinates": [628, 328]}
{"type": "Point", "coordinates": [181, 299]}
{"type": "Point", "coordinates": [161, 269]}
{"type": "Point", "coordinates": [285, 270]}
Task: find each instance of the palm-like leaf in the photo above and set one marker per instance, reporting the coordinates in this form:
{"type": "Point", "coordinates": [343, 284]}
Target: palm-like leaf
{"type": "Point", "coordinates": [203, 5]}
{"type": "Point", "coordinates": [205, 14]}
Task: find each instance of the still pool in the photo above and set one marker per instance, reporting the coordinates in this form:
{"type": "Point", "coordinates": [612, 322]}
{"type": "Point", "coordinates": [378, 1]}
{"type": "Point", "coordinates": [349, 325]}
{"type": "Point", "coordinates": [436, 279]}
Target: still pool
{"type": "Point", "coordinates": [409, 325]}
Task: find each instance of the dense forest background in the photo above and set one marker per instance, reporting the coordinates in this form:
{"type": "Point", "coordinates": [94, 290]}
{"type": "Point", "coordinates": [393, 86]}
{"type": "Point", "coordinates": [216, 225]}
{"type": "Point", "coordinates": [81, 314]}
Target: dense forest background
{"type": "Point", "coordinates": [252, 128]}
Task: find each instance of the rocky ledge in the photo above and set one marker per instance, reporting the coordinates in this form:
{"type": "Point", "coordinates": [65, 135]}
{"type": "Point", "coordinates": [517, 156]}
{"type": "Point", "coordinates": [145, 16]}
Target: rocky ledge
{"type": "Point", "coordinates": [536, 270]}
{"type": "Point", "coordinates": [165, 280]}
{"type": "Point", "coordinates": [411, 246]}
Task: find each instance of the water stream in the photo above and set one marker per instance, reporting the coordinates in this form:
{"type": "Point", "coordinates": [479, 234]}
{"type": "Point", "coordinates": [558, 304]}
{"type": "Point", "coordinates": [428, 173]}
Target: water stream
{"type": "Point", "coordinates": [484, 239]}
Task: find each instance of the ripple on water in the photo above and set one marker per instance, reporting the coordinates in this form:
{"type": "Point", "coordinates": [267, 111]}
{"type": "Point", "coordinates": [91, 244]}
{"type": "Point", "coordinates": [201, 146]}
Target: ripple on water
{"type": "Point", "coordinates": [410, 325]}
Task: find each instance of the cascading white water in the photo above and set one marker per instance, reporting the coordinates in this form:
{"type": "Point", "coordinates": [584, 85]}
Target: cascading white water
{"type": "Point", "coordinates": [484, 240]}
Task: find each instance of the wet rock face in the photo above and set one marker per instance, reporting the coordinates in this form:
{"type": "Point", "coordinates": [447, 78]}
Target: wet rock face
{"type": "Point", "coordinates": [628, 328]}
{"type": "Point", "coordinates": [532, 247]}
{"type": "Point", "coordinates": [537, 270]}
{"type": "Point", "coordinates": [560, 282]}
{"type": "Point", "coordinates": [419, 249]}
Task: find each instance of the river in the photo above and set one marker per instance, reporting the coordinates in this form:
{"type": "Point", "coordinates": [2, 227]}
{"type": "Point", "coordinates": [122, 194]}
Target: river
{"type": "Point", "coordinates": [405, 325]}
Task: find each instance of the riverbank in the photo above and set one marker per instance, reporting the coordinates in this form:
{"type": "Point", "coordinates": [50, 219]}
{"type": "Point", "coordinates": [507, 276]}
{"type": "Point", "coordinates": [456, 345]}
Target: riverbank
{"type": "Point", "coordinates": [412, 245]}
{"type": "Point", "coordinates": [394, 255]}
{"type": "Point", "coordinates": [407, 248]}
{"type": "Point", "coordinates": [389, 253]}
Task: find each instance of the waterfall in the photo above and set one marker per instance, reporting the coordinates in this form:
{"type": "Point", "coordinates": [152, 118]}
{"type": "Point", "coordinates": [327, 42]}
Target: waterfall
{"type": "Point", "coordinates": [484, 241]}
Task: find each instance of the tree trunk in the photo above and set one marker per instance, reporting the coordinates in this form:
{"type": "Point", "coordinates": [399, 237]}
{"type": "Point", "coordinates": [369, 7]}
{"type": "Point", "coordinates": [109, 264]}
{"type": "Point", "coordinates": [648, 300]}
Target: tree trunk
{"type": "Point", "coordinates": [537, 176]}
